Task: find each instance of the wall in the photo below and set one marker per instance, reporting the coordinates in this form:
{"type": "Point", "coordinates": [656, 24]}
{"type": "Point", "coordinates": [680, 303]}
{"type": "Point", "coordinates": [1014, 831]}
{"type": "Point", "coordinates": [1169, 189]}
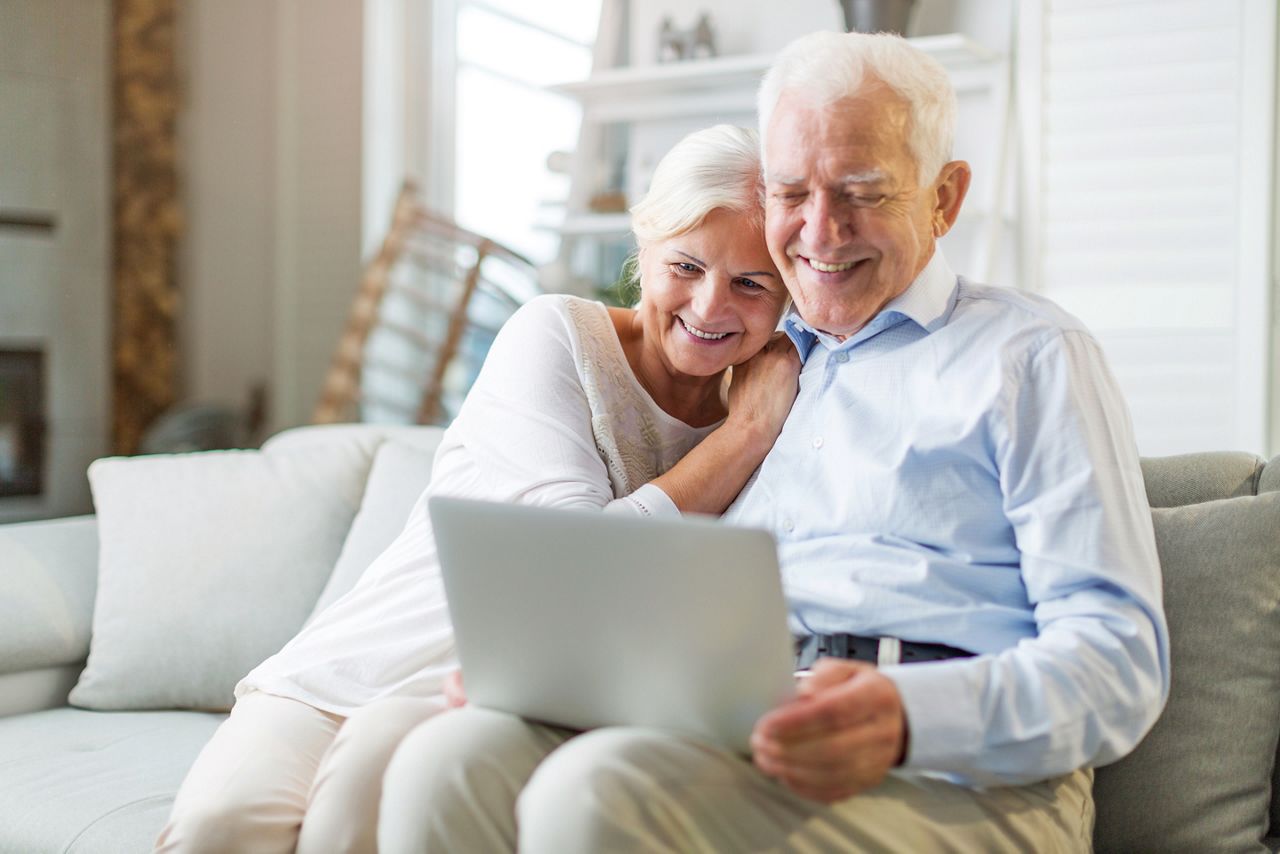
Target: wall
{"type": "Point", "coordinates": [981, 245]}
{"type": "Point", "coordinates": [764, 27]}
{"type": "Point", "coordinates": [228, 162]}
{"type": "Point", "coordinates": [54, 104]}
{"type": "Point", "coordinates": [272, 190]}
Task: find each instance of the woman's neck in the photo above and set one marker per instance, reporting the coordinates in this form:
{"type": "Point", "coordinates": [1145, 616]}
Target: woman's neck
{"type": "Point", "coordinates": [697, 401]}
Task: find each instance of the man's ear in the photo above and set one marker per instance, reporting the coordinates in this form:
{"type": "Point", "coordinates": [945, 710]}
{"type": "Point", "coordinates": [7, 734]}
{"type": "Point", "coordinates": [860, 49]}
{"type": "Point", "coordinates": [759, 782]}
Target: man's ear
{"type": "Point", "coordinates": [950, 190]}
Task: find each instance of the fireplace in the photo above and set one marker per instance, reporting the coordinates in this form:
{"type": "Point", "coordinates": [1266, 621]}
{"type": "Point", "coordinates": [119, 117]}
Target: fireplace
{"type": "Point", "coordinates": [22, 422]}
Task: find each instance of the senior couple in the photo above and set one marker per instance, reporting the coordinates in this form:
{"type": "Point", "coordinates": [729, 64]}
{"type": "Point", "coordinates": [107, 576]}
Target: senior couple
{"type": "Point", "coordinates": [960, 515]}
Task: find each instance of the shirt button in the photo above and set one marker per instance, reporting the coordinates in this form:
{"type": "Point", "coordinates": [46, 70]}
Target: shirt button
{"type": "Point", "coordinates": [817, 441]}
{"type": "Point", "coordinates": [842, 356]}
{"type": "Point", "coordinates": [788, 525]}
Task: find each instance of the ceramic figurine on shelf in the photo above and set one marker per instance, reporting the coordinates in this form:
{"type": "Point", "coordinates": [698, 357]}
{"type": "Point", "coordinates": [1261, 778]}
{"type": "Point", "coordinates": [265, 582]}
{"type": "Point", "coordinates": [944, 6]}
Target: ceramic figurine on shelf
{"type": "Point", "coordinates": [670, 42]}
{"type": "Point", "coordinates": [696, 42]}
{"type": "Point", "coordinates": [704, 39]}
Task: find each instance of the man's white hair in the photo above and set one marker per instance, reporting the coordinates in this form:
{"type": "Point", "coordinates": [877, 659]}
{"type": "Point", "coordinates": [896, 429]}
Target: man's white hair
{"type": "Point", "coordinates": [826, 67]}
{"type": "Point", "coordinates": [711, 169]}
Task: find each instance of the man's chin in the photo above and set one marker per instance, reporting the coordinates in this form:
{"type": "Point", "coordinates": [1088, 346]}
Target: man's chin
{"type": "Point", "coordinates": [834, 320]}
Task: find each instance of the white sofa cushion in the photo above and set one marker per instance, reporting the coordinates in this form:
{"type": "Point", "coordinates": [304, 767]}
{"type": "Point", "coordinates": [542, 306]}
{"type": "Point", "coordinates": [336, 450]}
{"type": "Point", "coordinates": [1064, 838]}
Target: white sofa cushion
{"type": "Point", "coordinates": [77, 781]}
{"type": "Point", "coordinates": [400, 473]}
{"type": "Point", "coordinates": [209, 562]}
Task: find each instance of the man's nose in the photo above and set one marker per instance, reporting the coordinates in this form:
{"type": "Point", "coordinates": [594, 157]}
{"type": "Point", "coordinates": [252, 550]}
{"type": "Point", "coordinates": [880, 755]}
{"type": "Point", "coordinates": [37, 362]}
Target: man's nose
{"type": "Point", "coordinates": [824, 225]}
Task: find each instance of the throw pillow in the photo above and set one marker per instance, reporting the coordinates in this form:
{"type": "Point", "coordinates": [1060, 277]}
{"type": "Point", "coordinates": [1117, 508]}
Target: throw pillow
{"type": "Point", "coordinates": [399, 475]}
{"type": "Point", "coordinates": [208, 564]}
{"type": "Point", "coordinates": [1201, 779]}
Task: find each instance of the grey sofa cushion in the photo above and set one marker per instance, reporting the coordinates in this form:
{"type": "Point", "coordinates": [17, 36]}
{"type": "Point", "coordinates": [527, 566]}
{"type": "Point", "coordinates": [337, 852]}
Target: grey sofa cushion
{"type": "Point", "coordinates": [1270, 482]}
{"type": "Point", "coordinates": [1195, 478]}
{"type": "Point", "coordinates": [1270, 479]}
{"type": "Point", "coordinates": [93, 782]}
{"type": "Point", "coordinates": [1200, 781]}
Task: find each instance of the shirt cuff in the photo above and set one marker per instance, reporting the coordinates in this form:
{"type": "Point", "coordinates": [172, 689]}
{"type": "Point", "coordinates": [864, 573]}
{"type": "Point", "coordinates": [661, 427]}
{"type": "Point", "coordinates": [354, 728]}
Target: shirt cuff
{"type": "Point", "coordinates": [940, 702]}
{"type": "Point", "coordinates": [648, 500]}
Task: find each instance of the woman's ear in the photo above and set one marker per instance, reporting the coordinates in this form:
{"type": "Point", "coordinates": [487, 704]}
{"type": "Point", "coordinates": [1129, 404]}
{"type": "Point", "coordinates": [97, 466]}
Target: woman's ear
{"type": "Point", "coordinates": [950, 190]}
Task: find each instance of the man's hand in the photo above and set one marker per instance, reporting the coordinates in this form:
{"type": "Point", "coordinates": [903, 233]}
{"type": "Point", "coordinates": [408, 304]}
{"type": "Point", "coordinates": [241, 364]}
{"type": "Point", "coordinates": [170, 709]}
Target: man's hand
{"type": "Point", "coordinates": [839, 737]}
{"type": "Point", "coordinates": [454, 696]}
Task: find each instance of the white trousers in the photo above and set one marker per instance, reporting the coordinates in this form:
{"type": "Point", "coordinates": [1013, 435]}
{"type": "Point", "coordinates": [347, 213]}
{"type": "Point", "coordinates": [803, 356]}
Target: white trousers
{"type": "Point", "coordinates": [280, 775]}
{"type": "Point", "coordinates": [476, 780]}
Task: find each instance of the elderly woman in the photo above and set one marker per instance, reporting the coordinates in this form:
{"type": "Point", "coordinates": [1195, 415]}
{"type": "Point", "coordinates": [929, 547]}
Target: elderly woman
{"type": "Point", "coordinates": [577, 406]}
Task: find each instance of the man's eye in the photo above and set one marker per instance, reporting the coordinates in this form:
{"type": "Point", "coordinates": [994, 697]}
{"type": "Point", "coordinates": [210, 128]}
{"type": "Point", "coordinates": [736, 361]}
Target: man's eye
{"type": "Point", "coordinates": [751, 284]}
{"type": "Point", "coordinates": [789, 198]}
{"type": "Point", "coordinates": [866, 200]}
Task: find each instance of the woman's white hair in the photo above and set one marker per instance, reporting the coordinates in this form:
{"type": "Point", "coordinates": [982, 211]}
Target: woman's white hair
{"type": "Point", "coordinates": [826, 67]}
{"type": "Point", "coordinates": [711, 169]}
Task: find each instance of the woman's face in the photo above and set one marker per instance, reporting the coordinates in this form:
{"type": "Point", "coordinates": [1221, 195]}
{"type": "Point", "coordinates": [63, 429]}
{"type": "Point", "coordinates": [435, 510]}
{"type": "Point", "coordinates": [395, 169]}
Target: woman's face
{"type": "Point", "coordinates": [711, 297]}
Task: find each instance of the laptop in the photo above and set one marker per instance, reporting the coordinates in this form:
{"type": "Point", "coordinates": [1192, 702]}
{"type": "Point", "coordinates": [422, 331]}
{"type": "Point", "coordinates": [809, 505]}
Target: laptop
{"type": "Point", "coordinates": [586, 619]}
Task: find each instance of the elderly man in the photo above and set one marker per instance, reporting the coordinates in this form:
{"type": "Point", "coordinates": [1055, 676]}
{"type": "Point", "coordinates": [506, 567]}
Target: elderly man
{"type": "Point", "coordinates": [964, 535]}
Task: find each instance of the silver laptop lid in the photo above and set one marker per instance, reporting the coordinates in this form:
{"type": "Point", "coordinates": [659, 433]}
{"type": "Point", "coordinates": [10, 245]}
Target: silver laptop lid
{"type": "Point", "coordinates": [586, 619]}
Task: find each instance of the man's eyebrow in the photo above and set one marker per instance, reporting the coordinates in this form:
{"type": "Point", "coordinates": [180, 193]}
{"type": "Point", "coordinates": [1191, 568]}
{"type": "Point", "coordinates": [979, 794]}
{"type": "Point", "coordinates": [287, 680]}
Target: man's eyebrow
{"type": "Point", "coordinates": [759, 273]}
{"type": "Point", "coordinates": [870, 176]}
{"type": "Point", "coordinates": [697, 261]}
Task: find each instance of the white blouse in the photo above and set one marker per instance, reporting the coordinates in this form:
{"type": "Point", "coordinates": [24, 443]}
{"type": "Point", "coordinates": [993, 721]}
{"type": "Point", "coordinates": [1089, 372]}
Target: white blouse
{"type": "Point", "coordinates": [556, 418]}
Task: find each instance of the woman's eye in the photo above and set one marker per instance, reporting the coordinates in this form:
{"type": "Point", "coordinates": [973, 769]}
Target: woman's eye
{"type": "Point", "coordinates": [686, 267]}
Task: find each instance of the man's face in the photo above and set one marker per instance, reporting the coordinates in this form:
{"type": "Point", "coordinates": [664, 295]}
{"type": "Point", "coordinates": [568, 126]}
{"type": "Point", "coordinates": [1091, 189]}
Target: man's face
{"type": "Point", "coordinates": [846, 221]}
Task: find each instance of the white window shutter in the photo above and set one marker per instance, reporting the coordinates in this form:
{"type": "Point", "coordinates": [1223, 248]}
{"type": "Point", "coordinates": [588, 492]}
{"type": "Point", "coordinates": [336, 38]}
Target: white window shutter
{"type": "Point", "coordinates": [1153, 219]}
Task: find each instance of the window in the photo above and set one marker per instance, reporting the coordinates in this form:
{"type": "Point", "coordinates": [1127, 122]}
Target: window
{"type": "Point", "coordinates": [506, 123]}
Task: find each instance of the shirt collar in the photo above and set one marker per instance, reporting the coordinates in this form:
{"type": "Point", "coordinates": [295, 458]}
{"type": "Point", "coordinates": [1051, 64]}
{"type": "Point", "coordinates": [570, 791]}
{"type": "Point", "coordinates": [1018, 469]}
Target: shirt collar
{"type": "Point", "coordinates": [927, 302]}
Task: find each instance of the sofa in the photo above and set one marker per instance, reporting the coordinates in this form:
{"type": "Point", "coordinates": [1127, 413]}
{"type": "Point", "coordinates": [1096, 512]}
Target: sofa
{"type": "Point", "coordinates": [122, 634]}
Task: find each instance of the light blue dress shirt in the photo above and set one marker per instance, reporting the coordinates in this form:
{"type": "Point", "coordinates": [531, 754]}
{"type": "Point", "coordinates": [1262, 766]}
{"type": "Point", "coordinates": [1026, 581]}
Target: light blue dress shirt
{"type": "Point", "coordinates": [962, 470]}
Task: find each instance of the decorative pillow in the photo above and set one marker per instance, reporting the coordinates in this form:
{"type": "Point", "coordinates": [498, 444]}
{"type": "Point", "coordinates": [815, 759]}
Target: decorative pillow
{"type": "Point", "coordinates": [1201, 779]}
{"type": "Point", "coordinates": [208, 564]}
{"type": "Point", "coordinates": [399, 475]}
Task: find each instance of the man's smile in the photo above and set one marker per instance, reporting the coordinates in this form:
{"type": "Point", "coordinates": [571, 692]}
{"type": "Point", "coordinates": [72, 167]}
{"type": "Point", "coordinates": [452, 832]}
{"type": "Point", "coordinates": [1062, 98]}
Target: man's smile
{"type": "Point", "coordinates": [824, 267]}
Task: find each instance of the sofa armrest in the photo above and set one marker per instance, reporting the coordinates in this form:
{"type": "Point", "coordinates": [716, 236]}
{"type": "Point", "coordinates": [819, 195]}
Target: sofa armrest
{"type": "Point", "coordinates": [48, 578]}
{"type": "Point", "coordinates": [36, 690]}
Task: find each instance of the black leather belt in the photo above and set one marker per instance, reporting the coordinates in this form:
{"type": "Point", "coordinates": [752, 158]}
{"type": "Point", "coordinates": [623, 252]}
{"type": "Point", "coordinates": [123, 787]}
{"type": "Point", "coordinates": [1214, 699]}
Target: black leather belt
{"type": "Point", "coordinates": [810, 648]}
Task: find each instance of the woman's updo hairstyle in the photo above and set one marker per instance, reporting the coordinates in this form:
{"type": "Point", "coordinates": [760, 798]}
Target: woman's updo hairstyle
{"type": "Point", "coordinates": [710, 169]}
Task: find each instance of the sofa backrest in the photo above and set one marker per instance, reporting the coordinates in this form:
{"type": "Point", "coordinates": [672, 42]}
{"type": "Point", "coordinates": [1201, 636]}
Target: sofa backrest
{"type": "Point", "coordinates": [1219, 551]}
{"type": "Point", "coordinates": [1195, 478]}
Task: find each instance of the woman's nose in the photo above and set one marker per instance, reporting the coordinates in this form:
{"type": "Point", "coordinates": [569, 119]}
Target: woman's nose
{"type": "Point", "coordinates": [711, 297]}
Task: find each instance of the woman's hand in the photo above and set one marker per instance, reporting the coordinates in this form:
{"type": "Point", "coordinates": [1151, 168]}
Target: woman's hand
{"type": "Point", "coordinates": [763, 388]}
{"type": "Point", "coordinates": [454, 696]}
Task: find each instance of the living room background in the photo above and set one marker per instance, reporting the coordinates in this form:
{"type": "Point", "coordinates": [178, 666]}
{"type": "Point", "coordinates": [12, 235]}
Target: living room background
{"type": "Point", "coordinates": [1141, 188]}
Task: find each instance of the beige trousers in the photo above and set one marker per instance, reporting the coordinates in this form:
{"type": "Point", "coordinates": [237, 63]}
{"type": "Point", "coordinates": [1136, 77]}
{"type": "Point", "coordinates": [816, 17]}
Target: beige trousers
{"type": "Point", "coordinates": [280, 775]}
{"type": "Point", "coordinates": [476, 780]}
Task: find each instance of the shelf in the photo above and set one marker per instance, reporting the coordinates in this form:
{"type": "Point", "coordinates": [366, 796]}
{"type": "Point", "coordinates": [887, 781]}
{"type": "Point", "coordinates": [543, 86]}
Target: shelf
{"type": "Point", "coordinates": [725, 84]}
